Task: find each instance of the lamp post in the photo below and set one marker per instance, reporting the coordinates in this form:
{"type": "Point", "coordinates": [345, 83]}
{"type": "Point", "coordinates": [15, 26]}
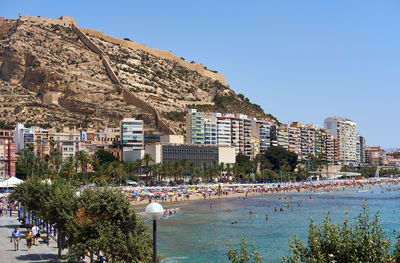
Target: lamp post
{"type": "Point", "coordinates": [154, 212]}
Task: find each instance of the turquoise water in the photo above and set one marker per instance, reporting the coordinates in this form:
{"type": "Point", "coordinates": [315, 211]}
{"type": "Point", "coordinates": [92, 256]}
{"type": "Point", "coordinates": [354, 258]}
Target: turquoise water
{"type": "Point", "coordinates": [200, 234]}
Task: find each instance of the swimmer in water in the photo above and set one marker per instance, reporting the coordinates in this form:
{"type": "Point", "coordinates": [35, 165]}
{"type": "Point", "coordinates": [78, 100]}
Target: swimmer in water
{"type": "Point", "coordinates": [266, 218]}
{"type": "Point", "coordinates": [275, 209]}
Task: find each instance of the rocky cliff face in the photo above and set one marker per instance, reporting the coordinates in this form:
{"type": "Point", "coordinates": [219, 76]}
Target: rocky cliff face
{"type": "Point", "coordinates": [41, 58]}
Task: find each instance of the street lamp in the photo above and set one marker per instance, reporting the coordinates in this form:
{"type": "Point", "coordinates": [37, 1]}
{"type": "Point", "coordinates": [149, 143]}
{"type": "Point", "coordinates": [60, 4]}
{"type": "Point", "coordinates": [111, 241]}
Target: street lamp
{"type": "Point", "coordinates": [154, 212]}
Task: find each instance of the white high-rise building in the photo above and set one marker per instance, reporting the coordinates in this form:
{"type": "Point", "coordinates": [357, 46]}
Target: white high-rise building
{"type": "Point", "coordinates": [23, 137]}
{"type": "Point", "coordinates": [344, 131]}
{"type": "Point", "coordinates": [132, 134]}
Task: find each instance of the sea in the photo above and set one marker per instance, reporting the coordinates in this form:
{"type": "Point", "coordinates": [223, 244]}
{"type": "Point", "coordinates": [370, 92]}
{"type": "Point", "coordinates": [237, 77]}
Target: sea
{"type": "Point", "coordinates": [201, 230]}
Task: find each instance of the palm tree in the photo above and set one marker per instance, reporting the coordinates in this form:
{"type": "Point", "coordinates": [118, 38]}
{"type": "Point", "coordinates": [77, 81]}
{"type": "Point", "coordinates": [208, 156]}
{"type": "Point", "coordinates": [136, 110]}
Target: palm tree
{"type": "Point", "coordinates": [138, 165]}
{"type": "Point", "coordinates": [57, 159]}
{"type": "Point", "coordinates": [175, 170]}
{"type": "Point", "coordinates": [147, 158]}
{"type": "Point", "coordinates": [164, 169]}
{"type": "Point", "coordinates": [228, 170]}
{"type": "Point", "coordinates": [68, 168]}
{"type": "Point", "coordinates": [183, 165]}
{"type": "Point", "coordinates": [196, 174]}
{"type": "Point", "coordinates": [83, 159]}
{"type": "Point", "coordinates": [221, 170]}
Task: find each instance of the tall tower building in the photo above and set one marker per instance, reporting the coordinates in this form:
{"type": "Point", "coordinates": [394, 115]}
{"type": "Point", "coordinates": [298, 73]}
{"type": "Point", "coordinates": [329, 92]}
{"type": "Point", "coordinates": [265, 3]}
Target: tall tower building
{"type": "Point", "coordinates": [132, 134]}
{"type": "Point", "coordinates": [195, 127]}
{"type": "Point", "coordinates": [344, 131]}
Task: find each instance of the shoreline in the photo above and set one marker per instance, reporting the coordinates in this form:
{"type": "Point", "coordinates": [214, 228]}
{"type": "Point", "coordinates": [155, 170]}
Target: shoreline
{"type": "Point", "coordinates": [253, 190]}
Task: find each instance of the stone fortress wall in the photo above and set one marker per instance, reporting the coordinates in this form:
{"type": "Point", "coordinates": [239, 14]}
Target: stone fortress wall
{"type": "Point", "coordinates": [159, 53]}
{"type": "Point", "coordinates": [70, 22]}
{"type": "Point", "coordinates": [62, 21]}
{"type": "Point", "coordinates": [127, 95]}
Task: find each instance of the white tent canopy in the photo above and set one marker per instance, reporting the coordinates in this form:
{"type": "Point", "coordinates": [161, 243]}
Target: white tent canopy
{"type": "Point", "coordinates": [11, 182]}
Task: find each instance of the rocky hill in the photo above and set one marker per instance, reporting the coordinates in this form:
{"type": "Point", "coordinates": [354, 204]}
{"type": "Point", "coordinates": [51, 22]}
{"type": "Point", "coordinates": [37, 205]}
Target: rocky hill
{"type": "Point", "coordinates": [54, 74]}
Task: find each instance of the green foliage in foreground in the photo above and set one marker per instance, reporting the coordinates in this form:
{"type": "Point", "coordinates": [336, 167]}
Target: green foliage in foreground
{"type": "Point", "coordinates": [362, 241]}
{"type": "Point", "coordinates": [243, 256]}
{"type": "Point", "coordinates": [96, 220]}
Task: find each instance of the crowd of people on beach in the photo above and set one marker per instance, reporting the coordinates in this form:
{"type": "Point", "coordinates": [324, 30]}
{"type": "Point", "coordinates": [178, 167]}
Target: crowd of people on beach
{"type": "Point", "coordinates": [210, 191]}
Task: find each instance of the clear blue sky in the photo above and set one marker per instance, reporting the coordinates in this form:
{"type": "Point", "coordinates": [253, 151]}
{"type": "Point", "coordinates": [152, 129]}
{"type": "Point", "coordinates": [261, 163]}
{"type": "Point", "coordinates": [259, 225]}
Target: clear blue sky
{"type": "Point", "coordinates": [300, 60]}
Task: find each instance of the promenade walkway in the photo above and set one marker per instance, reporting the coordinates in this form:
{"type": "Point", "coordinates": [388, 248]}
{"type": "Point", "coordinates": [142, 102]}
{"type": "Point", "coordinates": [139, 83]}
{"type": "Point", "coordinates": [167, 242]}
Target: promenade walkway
{"type": "Point", "coordinates": [38, 254]}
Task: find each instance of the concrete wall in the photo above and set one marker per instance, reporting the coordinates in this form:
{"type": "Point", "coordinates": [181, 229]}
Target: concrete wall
{"type": "Point", "coordinates": [178, 139]}
{"type": "Point", "coordinates": [132, 155]}
{"type": "Point", "coordinates": [226, 154]}
{"type": "Point", "coordinates": [154, 150]}
{"type": "Point", "coordinates": [159, 53]}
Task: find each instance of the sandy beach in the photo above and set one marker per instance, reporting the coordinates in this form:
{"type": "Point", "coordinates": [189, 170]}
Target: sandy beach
{"type": "Point", "coordinates": [176, 195]}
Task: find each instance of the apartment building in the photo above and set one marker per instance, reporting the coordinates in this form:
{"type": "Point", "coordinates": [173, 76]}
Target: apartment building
{"type": "Point", "coordinates": [132, 134]}
{"type": "Point", "coordinates": [195, 127]}
{"type": "Point", "coordinates": [7, 154]}
{"type": "Point", "coordinates": [362, 149]}
{"type": "Point", "coordinates": [223, 129]}
{"type": "Point", "coordinates": [344, 131]}
{"type": "Point", "coordinates": [23, 137]}
{"type": "Point", "coordinates": [294, 134]}
{"type": "Point", "coordinates": [262, 131]}
{"type": "Point", "coordinates": [211, 130]}
{"type": "Point", "coordinates": [67, 142]}
{"type": "Point", "coordinates": [283, 136]}
{"type": "Point", "coordinates": [375, 156]}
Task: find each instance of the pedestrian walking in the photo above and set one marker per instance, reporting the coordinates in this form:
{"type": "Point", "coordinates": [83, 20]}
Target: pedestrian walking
{"type": "Point", "coordinates": [29, 237]}
{"type": "Point", "coordinates": [36, 234]}
{"type": "Point", "coordinates": [15, 236]}
{"type": "Point", "coordinates": [27, 222]}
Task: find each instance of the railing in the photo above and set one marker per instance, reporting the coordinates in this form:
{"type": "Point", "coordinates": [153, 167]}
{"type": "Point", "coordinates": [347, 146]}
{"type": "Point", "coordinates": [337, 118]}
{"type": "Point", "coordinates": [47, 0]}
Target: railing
{"type": "Point", "coordinates": [11, 212]}
{"type": "Point", "coordinates": [96, 258]}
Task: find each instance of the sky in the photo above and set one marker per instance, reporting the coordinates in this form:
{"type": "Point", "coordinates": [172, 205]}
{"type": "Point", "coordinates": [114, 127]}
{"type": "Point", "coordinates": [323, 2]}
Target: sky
{"type": "Point", "coordinates": [300, 60]}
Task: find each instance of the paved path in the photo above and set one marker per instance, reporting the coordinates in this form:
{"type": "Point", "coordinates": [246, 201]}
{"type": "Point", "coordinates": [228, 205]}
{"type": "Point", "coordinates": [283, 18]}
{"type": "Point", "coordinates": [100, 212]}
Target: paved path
{"type": "Point", "coordinates": [40, 253]}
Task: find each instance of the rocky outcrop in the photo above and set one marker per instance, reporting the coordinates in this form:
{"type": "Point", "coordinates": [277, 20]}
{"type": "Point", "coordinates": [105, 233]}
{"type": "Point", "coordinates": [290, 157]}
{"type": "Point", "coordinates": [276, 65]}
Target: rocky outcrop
{"type": "Point", "coordinates": [99, 81]}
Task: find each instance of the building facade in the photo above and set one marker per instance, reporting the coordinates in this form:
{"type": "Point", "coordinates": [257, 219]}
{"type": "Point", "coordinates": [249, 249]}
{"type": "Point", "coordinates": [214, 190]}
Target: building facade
{"type": "Point", "coordinates": [344, 131]}
{"type": "Point", "coordinates": [194, 153]}
{"type": "Point", "coordinates": [7, 154]}
{"type": "Point", "coordinates": [132, 134]}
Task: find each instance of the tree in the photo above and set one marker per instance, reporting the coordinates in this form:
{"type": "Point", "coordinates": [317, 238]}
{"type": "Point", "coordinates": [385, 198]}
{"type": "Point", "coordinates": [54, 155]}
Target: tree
{"type": "Point", "coordinates": [146, 159]}
{"type": "Point", "coordinates": [105, 157]}
{"type": "Point", "coordinates": [243, 255]}
{"type": "Point", "coordinates": [106, 222]}
{"type": "Point", "coordinates": [277, 157]}
{"type": "Point", "coordinates": [363, 241]}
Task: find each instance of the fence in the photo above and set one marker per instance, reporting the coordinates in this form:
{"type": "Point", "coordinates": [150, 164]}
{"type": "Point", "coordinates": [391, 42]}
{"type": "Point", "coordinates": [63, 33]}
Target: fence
{"type": "Point", "coordinates": [11, 212]}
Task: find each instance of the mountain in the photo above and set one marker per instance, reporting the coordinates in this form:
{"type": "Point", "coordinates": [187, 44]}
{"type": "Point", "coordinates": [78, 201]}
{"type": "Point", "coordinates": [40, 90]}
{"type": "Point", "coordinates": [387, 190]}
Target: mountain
{"type": "Point", "coordinates": [53, 74]}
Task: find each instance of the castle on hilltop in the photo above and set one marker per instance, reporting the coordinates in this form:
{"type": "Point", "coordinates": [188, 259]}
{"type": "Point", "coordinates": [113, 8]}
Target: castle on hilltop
{"type": "Point", "coordinates": [67, 21]}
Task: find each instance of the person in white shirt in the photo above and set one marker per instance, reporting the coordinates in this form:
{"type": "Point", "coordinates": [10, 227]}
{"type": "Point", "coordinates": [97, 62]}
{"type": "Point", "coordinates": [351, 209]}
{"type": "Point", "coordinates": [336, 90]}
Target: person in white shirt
{"type": "Point", "coordinates": [36, 234]}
